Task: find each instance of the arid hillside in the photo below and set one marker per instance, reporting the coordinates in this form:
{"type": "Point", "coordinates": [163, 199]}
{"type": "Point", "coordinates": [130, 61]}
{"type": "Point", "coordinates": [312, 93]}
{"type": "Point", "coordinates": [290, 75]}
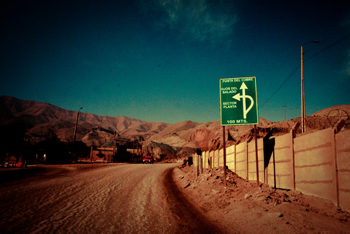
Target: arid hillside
{"type": "Point", "coordinates": [201, 135]}
{"type": "Point", "coordinates": [209, 135]}
{"type": "Point", "coordinates": [39, 121]}
{"type": "Point", "coordinates": [42, 120]}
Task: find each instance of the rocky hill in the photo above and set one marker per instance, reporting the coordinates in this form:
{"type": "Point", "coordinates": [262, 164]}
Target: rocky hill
{"type": "Point", "coordinates": [201, 135]}
{"type": "Point", "coordinates": [334, 111]}
{"type": "Point", "coordinates": [208, 135]}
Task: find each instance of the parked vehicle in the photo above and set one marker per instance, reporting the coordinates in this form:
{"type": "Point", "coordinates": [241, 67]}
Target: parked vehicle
{"type": "Point", "coordinates": [148, 159]}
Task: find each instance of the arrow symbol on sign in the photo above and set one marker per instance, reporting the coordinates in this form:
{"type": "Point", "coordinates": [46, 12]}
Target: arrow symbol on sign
{"type": "Point", "coordinates": [244, 97]}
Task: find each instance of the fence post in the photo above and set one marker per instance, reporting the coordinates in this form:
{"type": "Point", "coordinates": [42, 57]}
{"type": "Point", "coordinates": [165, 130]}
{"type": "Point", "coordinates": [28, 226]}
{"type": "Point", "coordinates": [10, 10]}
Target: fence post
{"type": "Point", "coordinates": [293, 158]}
{"type": "Point", "coordinates": [256, 155]}
{"type": "Point", "coordinates": [247, 158]}
{"type": "Point", "coordinates": [201, 163]}
{"type": "Point", "coordinates": [335, 163]}
{"type": "Point", "coordinates": [197, 164]}
{"type": "Point", "coordinates": [293, 133]}
{"type": "Point", "coordinates": [211, 160]}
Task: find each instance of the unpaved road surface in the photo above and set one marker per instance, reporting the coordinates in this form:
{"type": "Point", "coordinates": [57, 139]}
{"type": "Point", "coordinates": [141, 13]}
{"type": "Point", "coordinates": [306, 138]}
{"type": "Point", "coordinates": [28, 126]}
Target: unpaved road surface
{"type": "Point", "coordinates": [96, 198]}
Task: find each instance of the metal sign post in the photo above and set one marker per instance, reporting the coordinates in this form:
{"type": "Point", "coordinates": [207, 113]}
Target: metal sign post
{"type": "Point", "coordinates": [239, 106]}
{"type": "Point", "coordinates": [224, 141]}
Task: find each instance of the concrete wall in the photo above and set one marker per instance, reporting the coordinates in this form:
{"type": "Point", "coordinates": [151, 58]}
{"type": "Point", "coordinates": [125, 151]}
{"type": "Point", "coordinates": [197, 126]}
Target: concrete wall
{"type": "Point", "coordinates": [315, 167]}
{"type": "Point", "coordinates": [343, 157]}
{"type": "Point", "coordinates": [241, 157]}
{"type": "Point", "coordinates": [221, 158]}
{"type": "Point", "coordinates": [195, 160]}
{"type": "Point", "coordinates": [205, 159]}
{"type": "Point", "coordinates": [280, 172]}
{"type": "Point", "coordinates": [230, 157]}
{"type": "Point", "coordinates": [315, 164]}
{"type": "Point", "coordinates": [252, 175]}
{"type": "Point", "coordinates": [216, 152]}
{"type": "Point", "coordinates": [211, 154]}
{"type": "Point", "coordinates": [215, 158]}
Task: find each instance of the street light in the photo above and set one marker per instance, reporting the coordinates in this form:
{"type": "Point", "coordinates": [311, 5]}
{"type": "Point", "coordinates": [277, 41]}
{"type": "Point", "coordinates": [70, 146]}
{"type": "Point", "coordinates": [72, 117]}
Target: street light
{"type": "Point", "coordinates": [76, 123]}
{"type": "Point", "coordinates": [302, 87]}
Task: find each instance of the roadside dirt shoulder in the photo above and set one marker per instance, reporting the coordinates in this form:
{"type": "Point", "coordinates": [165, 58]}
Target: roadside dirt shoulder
{"type": "Point", "coordinates": [243, 207]}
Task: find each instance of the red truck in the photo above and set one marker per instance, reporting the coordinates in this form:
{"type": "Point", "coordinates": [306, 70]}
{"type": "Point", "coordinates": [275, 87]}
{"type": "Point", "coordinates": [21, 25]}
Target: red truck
{"type": "Point", "coordinates": [148, 159]}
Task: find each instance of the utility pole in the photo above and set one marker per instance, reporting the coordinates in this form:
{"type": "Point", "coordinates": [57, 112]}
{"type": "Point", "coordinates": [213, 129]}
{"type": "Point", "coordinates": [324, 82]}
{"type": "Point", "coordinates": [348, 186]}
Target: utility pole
{"type": "Point", "coordinates": [75, 133]}
{"type": "Point", "coordinates": [76, 124]}
{"type": "Point", "coordinates": [303, 88]}
{"type": "Point", "coordinates": [302, 92]}
{"type": "Point", "coordinates": [284, 109]}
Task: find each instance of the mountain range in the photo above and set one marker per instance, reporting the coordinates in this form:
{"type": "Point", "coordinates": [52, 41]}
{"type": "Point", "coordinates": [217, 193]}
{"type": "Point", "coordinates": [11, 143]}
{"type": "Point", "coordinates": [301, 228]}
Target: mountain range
{"type": "Point", "coordinates": [42, 121]}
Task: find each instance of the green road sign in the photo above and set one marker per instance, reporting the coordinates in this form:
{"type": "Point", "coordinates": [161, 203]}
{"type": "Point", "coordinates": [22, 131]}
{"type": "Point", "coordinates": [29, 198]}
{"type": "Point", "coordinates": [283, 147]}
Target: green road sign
{"type": "Point", "coordinates": [238, 101]}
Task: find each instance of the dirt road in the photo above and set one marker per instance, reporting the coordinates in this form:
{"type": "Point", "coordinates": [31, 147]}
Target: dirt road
{"type": "Point", "coordinates": [99, 198]}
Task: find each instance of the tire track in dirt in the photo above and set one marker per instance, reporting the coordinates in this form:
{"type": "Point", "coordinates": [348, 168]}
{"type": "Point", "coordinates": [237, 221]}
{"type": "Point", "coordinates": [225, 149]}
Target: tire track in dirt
{"type": "Point", "coordinates": [80, 203]}
{"type": "Point", "coordinates": [113, 198]}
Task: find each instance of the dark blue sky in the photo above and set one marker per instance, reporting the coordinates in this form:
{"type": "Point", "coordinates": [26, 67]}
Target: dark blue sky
{"type": "Point", "coordinates": [162, 60]}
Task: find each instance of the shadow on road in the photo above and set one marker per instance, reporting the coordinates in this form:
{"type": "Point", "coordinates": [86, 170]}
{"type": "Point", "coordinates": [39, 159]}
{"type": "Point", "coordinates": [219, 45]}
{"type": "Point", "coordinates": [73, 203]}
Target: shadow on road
{"type": "Point", "coordinates": [191, 219]}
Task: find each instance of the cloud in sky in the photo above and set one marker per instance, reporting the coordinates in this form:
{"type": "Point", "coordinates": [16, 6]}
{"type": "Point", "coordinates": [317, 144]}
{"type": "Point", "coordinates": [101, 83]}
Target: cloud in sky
{"type": "Point", "coordinates": [201, 19]}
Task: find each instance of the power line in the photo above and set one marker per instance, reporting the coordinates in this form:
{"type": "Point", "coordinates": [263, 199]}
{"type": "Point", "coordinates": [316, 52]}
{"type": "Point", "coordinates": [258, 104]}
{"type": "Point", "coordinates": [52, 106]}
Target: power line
{"type": "Point", "coordinates": [323, 40]}
{"type": "Point", "coordinates": [298, 65]}
{"type": "Point", "coordinates": [283, 83]}
{"type": "Point", "coordinates": [328, 47]}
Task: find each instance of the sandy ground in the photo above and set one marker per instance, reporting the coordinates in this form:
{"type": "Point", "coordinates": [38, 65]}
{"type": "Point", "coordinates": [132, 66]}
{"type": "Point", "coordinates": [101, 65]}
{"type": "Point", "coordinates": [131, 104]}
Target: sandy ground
{"type": "Point", "coordinates": [243, 207]}
{"type": "Point", "coordinates": [96, 198]}
{"type": "Point", "coordinates": [123, 198]}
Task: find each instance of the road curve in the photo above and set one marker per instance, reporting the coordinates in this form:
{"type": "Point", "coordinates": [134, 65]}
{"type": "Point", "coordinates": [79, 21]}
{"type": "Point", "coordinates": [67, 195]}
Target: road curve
{"type": "Point", "coordinates": [105, 198]}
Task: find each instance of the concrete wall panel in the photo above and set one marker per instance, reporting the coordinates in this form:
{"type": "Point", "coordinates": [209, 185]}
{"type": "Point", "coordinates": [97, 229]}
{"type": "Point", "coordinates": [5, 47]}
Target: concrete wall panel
{"type": "Point", "coordinates": [344, 190]}
{"type": "Point", "coordinates": [343, 158]}
{"type": "Point", "coordinates": [271, 168]}
{"type": "Point", "coordinates": [280, 173]}
{"type": "Point", "coordinates": [284, 161]}
{"type": "Point", "coordinates": [221, 158]}
{"type": "Point", "coordinates": [261, 159]}
{"type": "Point", "coordinates": [230, 157]}
{"type": "Point", "coordinates": [205, 159]}
{"type": "Point", "coordinates": [216, 160]}
{"type": "Point", "coordinates": [210, 157]}
{"type": "Point", "coordinates": [315, 164]}
{"type": "Point", "coordinates": [241, 157]}
{"type": "Point", "coordinates": [194, 159]}
{"type": "Point", "coordinates": [252, 160]}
